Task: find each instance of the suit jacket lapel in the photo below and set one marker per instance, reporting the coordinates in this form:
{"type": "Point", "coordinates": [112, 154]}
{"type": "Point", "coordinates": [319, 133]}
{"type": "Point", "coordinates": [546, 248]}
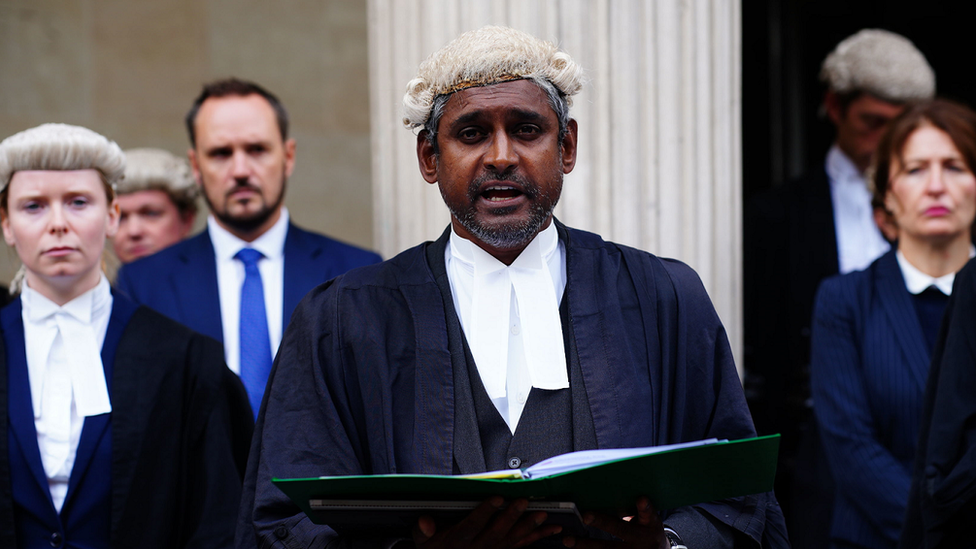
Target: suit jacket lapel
{"type": "Point", "coordinates": [468, 453]}
{"type": "Point", "coordinates": [131, 384]}
{"type": "Point", "coordinates": [616, 353]}
{"type": "Point", "coordinates": [21, 410]}
{"type": "Point", "coordinates": [300, 274]}
{"type": "Point", "coordinates": [598, 349]}
{"type": "Point", "coordinates": [815, 229]}
{"type": "Point", "coordinates": [898, 307]}
{"type": "Point", "coordinates": [434, 379]}
{"type": "Point", "coordinates": [96, 427]}
{"type": "Point", "coordinates": [196, 288]}
{"type": "Point", "coordinates": [821, 222]}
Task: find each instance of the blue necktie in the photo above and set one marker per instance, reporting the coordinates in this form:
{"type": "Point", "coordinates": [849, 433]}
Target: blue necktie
{"type": "Point", "coordinates": [255, 342]}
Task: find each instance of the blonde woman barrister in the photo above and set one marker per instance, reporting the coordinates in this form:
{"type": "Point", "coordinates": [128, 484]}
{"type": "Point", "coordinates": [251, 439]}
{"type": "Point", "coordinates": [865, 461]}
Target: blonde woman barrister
{"type": "Point", "coordinates": [116, 424]}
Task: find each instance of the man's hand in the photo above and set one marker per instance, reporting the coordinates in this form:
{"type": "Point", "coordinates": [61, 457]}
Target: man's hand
{"type": "Point", "coordinates": [642, 530]}
{"type": "Point", "coordinates": [488, 526]}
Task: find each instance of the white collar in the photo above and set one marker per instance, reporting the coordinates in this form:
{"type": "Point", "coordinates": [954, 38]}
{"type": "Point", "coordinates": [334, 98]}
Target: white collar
{"type": "Point", "coordinates": [841, 169]}
{"type": "Point", "coordinates": [531, 280]}
{"type": "Point", "coordinates": [73, 321]}
{"type": "Point", "coordinates": [271, 244]}
{"type": "Point", "coordinates": [917, 282]}
{"type": "Point", "coordinates": [469, 253]}
{"type": "Point", "coordinates": [81, 307]}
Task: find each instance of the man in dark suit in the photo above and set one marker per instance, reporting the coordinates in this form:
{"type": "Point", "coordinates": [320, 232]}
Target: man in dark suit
{"type": "Point", "coordinates": [240, 279]}
{"type": "Point", "coordinates": [799, 233]}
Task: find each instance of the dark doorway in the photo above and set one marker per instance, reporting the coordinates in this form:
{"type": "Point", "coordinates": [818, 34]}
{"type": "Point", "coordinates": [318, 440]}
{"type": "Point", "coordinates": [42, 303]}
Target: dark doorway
{"type": "Point", "coordinates": [784, 43]}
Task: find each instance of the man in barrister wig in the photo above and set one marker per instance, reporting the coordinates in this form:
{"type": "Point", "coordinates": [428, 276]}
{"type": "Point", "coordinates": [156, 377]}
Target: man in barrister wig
{"type": "Point", "coordinates": [157, 203]}
{"type": "Point", "coordinates": [510, 339]}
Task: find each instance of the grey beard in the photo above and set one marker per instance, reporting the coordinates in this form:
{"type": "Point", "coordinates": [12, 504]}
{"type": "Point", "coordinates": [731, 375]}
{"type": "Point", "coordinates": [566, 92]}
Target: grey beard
{"type": "Point", "coordinates": [516, 234]}
{"type": "Point", "coordinates": [508, 236]}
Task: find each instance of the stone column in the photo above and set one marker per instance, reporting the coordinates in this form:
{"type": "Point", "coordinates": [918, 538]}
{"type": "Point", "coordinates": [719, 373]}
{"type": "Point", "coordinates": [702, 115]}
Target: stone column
{"type": "Point", "coordinates": [660, 125]}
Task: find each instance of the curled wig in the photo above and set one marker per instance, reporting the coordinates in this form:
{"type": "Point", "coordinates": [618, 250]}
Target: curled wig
{"type": "Point", "coordinates": [158, 170]}
{"type": "Point", "coordinates": [487, 56]}
{"type": "Point", "coordinates": [61, 147]}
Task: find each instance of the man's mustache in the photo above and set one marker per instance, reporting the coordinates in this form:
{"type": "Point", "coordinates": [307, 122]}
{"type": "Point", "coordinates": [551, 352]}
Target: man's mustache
{"type": "Point", "coordinates": [243, 186]}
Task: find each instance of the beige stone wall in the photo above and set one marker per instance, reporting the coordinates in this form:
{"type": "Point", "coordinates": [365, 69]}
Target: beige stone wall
{"type": "Point", "coordinates": [130, 69]}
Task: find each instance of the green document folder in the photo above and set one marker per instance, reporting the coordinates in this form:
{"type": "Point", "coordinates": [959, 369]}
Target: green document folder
{"type": "Point", "coordinates": [670, 479]}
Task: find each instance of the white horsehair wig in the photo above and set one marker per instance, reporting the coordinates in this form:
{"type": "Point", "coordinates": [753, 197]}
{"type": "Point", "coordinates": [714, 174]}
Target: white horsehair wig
{"type": "Point", "coordinates": [61, 147]}
{"type": "Point", "coordinates": [148, 169]}
{"type": "Point", "coordinates": [485, 56]}
{"type": "Point", "coordinates": [882, 63]}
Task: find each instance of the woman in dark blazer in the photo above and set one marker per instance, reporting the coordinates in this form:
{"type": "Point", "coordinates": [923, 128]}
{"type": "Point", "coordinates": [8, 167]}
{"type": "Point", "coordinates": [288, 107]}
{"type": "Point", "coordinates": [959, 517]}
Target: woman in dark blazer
{"type": "Point", "coordinates": [873, 330]}
{"type": "Point", "coordinates": [118, 427]}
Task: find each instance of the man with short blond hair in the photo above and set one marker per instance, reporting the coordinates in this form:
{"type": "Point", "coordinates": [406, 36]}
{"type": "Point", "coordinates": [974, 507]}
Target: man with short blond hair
{"type": "Point", "coordinates": [158, 203]}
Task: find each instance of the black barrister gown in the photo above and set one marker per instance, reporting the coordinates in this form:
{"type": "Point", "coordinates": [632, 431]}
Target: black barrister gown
{"type": "Point", "coordinates": [363, 382]}
{"type": "Point", "coordinates": [180, 427]}
{"type": "Point", "coordinates": [942, 502]}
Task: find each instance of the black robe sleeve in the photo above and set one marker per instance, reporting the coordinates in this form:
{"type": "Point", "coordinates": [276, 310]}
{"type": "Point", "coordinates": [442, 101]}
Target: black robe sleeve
{"type": "Point", "coordinates": [302, 430]}
{"type": "Point", "coordinates": [701, 397]}
{"type": "Point", "coordinates": [942, 502]}
{"type": "Point", "coordinates": [181, 427]}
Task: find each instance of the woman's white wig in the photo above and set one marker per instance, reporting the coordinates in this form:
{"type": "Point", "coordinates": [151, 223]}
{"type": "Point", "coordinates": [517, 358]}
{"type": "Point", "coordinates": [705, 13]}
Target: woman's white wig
{"type": "Point", "coordinates": [487, 56]}
{"type": "Point", "coordinates": [60, 147]}
{"type": "Point", "coordinates": [149, 169]}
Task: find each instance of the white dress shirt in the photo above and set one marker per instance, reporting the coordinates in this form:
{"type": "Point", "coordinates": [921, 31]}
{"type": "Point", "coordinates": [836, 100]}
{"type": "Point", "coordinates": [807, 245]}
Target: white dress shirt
{"type": "Point", "coordinates": [859, 240]}
{"type": "Point", "coordinates": [67, 379]}
{"type": "Point", "coordinates": [230, 278]}
{"type": "Point", "coordinates": [917, 282]}
{"type": "Point", "coordinates": [528, 350]}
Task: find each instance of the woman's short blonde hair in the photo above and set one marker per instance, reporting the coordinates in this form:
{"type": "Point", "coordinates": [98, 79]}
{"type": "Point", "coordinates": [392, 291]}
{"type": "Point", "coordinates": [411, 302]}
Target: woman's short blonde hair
{"type": "Point", "coordinates": [149, 169]}
{"type": "Point", "coordinates": [487, 56]}
{"type": "Point", "coordinates": [61, 147]}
